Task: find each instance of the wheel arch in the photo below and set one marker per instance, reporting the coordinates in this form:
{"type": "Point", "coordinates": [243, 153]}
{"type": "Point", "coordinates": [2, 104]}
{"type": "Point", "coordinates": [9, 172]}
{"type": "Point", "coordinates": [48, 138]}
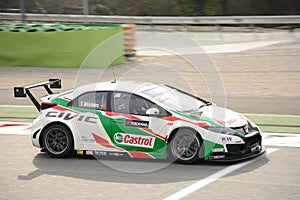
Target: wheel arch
{"type": "Point", "coordinates": [174, 131]}
{"type": "Point", "coordinates": [55, 123]}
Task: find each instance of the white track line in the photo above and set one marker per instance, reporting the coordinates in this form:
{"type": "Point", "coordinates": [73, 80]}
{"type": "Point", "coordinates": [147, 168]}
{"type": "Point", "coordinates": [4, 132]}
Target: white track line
{"type": "Point", "coordinates": [16, 106]}
{"type": "Point", "coordinates": [214, 177]}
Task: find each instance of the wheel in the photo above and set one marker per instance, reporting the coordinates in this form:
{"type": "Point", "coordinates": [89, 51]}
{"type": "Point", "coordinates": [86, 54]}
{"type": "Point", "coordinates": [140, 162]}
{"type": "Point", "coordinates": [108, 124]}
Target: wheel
{"type": "Point", "coordinates": [58, 141]}
{"type": "Point", "coordinates": [185, 146]}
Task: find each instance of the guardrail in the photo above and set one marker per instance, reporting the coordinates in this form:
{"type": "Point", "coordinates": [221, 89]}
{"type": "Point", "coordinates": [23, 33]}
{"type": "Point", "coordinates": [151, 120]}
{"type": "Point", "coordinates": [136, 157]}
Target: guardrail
{"type": "Point", "coordinates": [210, 20]}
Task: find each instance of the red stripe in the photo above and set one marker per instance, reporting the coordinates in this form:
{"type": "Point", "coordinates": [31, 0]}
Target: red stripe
{"type": "Point", "coordinates": [151, 132]}
{"type": "Point", "coordinates": [133, 154]}
{"type": "Point", "coordinates": [121, 114]}
{"type": "Point", "coordinates": [60, 108]}
{"type": "Point", "coordinates": [103, 141]}
{"type": "Point", "coordinates": [200, 124]}
{"type": "Point", "coordinates": [131, 117]}
{"type": "Point", "coordinates": [220, 122]}
{"type": "Point", "coordinates": [8, 125]}
{"type": "Point", "coordinates": [66, 98]}
{"type": "Point", "coordinates": [137, 154]}
{"type": "Point", "coordinates": [26, 126]}
{"type": "Point", "coordinates": [171, 118]}
{"type": "Point", "coordinates": [109, 113]}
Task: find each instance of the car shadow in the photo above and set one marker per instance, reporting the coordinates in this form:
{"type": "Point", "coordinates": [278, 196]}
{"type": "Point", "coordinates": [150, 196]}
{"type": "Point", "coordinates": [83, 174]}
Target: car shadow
{"type": "Point", "coordinates": [123, 170]}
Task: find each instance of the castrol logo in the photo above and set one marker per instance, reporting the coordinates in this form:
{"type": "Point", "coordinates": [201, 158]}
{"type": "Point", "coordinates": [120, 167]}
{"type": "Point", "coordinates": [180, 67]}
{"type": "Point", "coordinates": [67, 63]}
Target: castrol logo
{"type": "Point", "coordinates": [134, 140]}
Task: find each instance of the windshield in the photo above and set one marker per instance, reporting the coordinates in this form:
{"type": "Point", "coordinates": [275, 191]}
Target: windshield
{"type": "Point", "coordinates": [174, 99]}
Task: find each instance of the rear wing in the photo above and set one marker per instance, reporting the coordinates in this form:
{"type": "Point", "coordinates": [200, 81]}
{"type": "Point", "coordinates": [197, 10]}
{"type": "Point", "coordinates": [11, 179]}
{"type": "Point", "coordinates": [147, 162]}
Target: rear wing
{"type": "Point", "coordinates": [24, 91]}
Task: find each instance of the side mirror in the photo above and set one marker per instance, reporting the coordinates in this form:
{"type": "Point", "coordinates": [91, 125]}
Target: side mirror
{"type": "Point", "coordinates": [152, 111]}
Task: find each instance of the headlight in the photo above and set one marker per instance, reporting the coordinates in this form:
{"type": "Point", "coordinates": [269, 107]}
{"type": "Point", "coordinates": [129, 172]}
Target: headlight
{"type": "Point", "coordinates": [252, 126]}
{"type": "Point", "coordinates": [223, 130]}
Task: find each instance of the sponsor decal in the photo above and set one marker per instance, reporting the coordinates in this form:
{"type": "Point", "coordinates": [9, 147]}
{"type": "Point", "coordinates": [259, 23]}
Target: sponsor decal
{"type": "Point", "coordinates": [134, 140]}
{"type": "Point", "coordinates": [232, 121]}
{"type": "Point", "coordinates": [226, 139]}
{"type": "Point", "coordinates": [217, 157]}
{"type": "Point", "coordinates": [119, 138]}
{"type": "Point", "coordinates": [110, 153]}
{"type": "Point", "coordinates": [69, 116]}
{"type": "Point", "coordinates": [80, 152]}
{"type": "Point", "coordinates": [89, 105]}
{"type": "Point", "coordinates": [136, 123]}
{"type": "Point", "coordinates": [87, 140]}
{"type": "Point", "coordinates": [218, 150]}
{"type": "Point", "coordinates": [100, 153]}
{"type": "Point", "coordinates": [115, 154]}
{"type": "Point", "coordinates": [88, 152]}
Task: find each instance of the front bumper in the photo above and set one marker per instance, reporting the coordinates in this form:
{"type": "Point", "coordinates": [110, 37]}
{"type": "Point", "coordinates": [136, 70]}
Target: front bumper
{"type": "Point", "coordinates": [228, 157]}
{"type": "Point", "coordinates": [236, 152]}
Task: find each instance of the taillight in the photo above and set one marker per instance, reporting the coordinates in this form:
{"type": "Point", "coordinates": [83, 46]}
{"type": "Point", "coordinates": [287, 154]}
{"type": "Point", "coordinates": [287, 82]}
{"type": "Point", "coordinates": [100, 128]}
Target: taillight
{"type": "Point", "coordinates": [46, 105]}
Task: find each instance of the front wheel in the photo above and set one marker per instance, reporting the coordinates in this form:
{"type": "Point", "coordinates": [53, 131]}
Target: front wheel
{"type": "Point", "coordinates": [57, 141]}
{"type": "Point", "coordinates": [185, 146]}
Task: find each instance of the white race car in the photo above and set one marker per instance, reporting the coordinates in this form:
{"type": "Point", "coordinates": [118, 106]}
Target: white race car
{"type": "Point", "coordinates": [139, 120]}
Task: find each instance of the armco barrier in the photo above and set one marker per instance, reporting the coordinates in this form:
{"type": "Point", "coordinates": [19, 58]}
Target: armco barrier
{"type": "Point", "coordinates": [29, 46]}
{"type": "Point", "coordinates": [194, 20]}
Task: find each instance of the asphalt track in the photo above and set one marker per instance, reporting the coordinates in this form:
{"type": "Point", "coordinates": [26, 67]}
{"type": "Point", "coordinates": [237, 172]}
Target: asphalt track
{"type": "Point", "coordinates": [259, 79]}
{"type": "Point", "coordinates": [28, 174]}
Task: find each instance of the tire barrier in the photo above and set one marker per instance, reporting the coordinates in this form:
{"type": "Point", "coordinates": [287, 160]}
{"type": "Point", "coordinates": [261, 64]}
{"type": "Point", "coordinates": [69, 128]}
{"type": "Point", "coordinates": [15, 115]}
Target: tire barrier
{"type": "Point", "coordinates": [129, 39]}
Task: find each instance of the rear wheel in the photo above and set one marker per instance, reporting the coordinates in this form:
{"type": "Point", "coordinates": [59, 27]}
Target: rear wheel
{"type": "Point", "coordinates": [57, 141]}
{"type": "Point", "coordinates": [185, 146]}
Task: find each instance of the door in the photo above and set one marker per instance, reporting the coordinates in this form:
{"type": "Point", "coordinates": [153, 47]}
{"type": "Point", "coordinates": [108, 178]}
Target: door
{"type": "Point", "coordinates": [132, 129]}
{"type": "Point", "coordinates": [91, 123]}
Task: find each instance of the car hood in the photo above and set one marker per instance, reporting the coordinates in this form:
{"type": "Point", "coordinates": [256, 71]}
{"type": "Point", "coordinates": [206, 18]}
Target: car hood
{"type": "Point", "coordinates": [223, 116]}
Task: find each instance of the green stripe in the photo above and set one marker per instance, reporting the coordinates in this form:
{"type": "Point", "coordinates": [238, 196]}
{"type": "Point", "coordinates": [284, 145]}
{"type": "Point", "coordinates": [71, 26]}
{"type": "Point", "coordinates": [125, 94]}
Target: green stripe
{"type": "Point", "coordinates": [159, 149]}
{"type": "Point", "coordinates": [60, 101]}
{"type": "Point", "coordinates": [208, 147]}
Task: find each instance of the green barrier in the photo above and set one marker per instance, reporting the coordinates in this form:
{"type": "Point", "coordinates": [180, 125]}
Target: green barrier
{"type": "Point", "coordinates": [3, 29]}
{"type": "Point", "coordinates": [61, 46]}
{"type": "Point", "coordinates": [56, 27]}
{"type": "Point", "coordinates": [34, 29]}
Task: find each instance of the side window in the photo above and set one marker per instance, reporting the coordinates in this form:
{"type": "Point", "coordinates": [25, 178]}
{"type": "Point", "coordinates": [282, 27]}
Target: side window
{"type": "Point", "coordinates": [121, 102]}
{"type": "Point", "coordinates": [92, 100]}
{"type": "Point", "coordinates": [139, 105]}
{"type": "Point", "coordinates": [132, 104]}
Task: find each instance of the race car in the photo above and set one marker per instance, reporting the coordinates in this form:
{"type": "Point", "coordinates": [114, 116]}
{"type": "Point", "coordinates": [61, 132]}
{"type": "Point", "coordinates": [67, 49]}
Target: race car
{"type": "Point", "coordinates": [139, 120]}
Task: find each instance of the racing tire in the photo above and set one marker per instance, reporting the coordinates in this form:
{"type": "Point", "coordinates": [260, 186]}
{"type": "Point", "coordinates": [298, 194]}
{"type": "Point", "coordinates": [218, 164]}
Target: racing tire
{"type": "Point", "coordinates": [57, 141]}
{"type": "Point", "coordinates": [186, 147]}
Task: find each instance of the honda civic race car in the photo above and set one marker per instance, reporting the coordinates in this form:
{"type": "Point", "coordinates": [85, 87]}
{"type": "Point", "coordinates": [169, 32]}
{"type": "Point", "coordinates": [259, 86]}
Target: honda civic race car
{"type": "Point", "coordinates": [139, 120]}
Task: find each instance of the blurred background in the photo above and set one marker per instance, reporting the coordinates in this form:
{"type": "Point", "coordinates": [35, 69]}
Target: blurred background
{"type": "Point", "coordinates": [155, 8]}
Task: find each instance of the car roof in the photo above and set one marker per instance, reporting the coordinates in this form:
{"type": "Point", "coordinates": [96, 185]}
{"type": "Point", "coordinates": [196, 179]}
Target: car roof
{"type": "Point", "coordinates": [124, 86]}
